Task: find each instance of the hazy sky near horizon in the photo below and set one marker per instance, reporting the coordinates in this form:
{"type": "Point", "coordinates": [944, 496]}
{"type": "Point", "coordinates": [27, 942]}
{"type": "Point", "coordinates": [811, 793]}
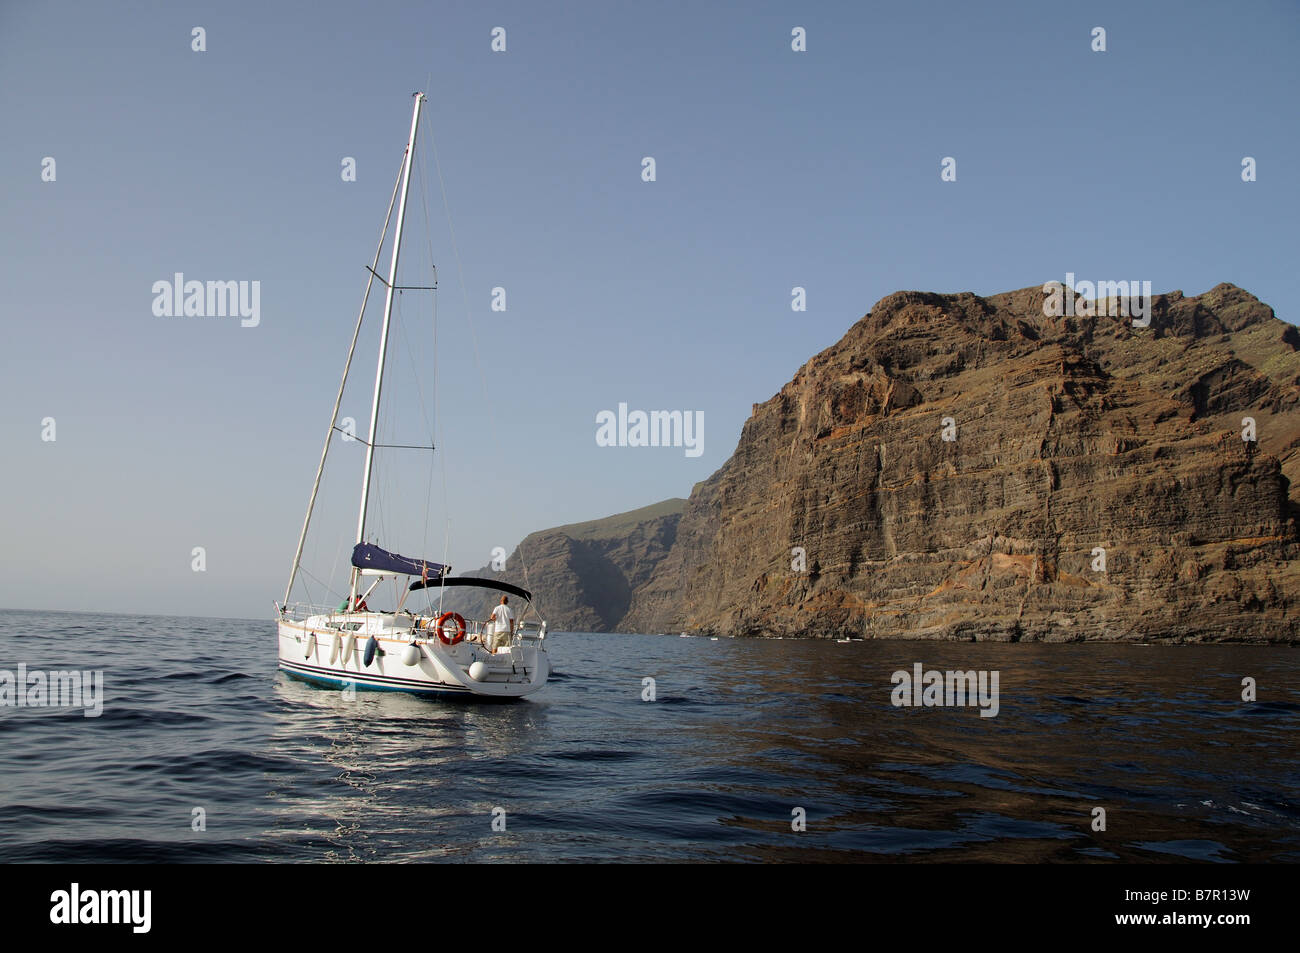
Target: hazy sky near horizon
{"type": "Point", "coordinates": [774, 169]}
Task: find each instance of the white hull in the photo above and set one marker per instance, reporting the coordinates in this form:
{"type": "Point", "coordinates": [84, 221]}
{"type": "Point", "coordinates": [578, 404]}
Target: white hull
{"type": "Point", "coordinates": [510, 672]}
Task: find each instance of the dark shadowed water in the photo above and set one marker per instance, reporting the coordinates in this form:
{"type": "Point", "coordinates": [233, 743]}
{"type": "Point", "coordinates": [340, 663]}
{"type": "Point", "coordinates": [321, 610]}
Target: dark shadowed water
{"type": "Point", "coordinates": [739, 736]}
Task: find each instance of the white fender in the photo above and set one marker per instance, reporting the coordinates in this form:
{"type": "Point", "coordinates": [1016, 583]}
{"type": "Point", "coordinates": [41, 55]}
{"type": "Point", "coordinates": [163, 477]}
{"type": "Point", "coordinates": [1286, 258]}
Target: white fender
{"type": "Point", "coordinates": [336, 648]}
{"type": "Point", "coordinates": [411, 655]}
{"type": "Point", "coordinates": [541, 667]}
{"type": "Point", "coordinates": [349, 646]}
{"type": "Point", "coordinates": [311, 645]}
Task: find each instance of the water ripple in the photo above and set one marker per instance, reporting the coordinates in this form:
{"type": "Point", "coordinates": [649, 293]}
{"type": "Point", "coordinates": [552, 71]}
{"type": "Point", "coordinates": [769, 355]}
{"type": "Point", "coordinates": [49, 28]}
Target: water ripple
{"type": "Point", "coordinates": [753, 751]}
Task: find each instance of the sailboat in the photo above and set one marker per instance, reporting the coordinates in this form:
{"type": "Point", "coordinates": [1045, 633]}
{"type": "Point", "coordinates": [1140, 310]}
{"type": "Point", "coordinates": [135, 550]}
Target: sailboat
{"type": "Point", "coordinates": [406, 649]}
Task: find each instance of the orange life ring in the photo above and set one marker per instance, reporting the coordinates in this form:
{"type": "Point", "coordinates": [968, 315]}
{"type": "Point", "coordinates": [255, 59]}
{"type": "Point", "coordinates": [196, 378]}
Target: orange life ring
{"type": "Point", "coordinates": [460, 628]}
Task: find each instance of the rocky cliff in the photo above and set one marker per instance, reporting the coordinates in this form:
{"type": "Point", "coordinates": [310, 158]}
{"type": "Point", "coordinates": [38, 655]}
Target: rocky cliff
{"type": "Point", "coordinates": [583, 575]}
{"type": "Point", "coordinates": [960, 467]}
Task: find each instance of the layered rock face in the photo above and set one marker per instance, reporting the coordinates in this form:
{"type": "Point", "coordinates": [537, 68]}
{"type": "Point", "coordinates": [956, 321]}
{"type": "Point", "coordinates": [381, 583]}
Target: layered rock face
{"type": "Point", "coordinates": [959, 467]}
{"type": "Point", "coordinates": [583, 575]}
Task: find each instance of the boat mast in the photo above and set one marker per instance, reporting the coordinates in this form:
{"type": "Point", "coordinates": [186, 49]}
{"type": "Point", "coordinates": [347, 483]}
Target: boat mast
{"type": "Point", "coordinates": [338, 401]}
{"type": "Point", "coordinates": [383, 340]}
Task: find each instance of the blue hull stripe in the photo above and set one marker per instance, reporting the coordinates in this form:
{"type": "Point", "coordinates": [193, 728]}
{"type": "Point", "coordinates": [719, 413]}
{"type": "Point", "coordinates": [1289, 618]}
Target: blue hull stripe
{"type": "Point", "coordinates": [379, 682]}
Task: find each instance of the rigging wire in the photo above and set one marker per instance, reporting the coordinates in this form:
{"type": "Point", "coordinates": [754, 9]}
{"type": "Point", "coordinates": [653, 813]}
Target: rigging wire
{"type": "Point", "coordinates": [385, 433]}
{"type": "Point", "coordinates": [325, 585]}
{"type": "Point", "coordinates": [437, 404]}
{"type": "Point", "coordinates": [408, 344]}
{"type": "Point", "coordinates": [337, 553]}
{"type": "Point", "coordinates": [460, 271]}
{"type": "Point", "coordinates": [329, 437]}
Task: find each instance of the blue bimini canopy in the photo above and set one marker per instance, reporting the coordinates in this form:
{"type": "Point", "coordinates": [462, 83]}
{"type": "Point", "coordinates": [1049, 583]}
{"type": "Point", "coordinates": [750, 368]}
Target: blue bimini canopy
{"type": "Point", "coordinates": [370, 558]}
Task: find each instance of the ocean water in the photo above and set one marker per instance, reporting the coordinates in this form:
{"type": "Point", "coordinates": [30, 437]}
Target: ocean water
{"type": "Point", "coordinates": [743, 738]}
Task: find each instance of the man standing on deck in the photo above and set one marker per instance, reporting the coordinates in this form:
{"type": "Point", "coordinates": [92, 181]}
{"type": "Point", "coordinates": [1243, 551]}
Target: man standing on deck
{"type": "Point", "coordinates": [504, 626]}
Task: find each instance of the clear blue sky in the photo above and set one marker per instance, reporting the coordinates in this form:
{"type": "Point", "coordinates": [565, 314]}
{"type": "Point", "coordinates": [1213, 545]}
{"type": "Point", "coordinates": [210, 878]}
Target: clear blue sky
{"type": "Point", "coordinates": [774, 169]}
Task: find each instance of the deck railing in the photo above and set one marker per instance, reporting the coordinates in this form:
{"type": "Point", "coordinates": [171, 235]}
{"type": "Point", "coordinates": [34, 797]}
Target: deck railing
{"type": "Point", "coordinates": [423, 626]}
